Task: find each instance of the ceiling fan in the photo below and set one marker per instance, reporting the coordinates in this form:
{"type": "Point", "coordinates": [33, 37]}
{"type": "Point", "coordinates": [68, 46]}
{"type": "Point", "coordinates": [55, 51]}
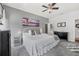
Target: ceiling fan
{"type": "Point", "coordinates": [50, 7]}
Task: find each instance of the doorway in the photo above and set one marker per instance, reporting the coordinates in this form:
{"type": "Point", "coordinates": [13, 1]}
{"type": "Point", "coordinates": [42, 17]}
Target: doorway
{"type": "Point", "coordinates": [77, 30]}
{"type": "Point", "coordinates": [5, 43]}
{"type": "Point", "coordinates": [46, 28]}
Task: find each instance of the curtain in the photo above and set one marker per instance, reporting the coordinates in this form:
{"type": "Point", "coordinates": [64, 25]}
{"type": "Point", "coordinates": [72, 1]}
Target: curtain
{"type": "Point", "coordinates": [1, 11]}
{"type": "Point", "coordinates": [4, 21]}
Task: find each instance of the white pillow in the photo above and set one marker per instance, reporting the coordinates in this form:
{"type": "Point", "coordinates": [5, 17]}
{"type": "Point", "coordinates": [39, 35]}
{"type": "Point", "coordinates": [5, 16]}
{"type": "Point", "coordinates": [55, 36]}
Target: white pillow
{"type": "Point", "coordinates": [41, 31]}
{"type": "Point", "coordinates": [30, 32]}
{"type": "Point", "coordinates": [26, 36]}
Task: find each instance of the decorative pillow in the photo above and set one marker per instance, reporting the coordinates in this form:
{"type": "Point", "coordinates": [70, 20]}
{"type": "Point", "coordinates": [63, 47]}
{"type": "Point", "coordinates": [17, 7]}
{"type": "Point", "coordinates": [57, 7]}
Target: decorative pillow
{"type": "Point", "coordinates": [38, 32]}
{"type": "Point", "coordinates": [26, 36]}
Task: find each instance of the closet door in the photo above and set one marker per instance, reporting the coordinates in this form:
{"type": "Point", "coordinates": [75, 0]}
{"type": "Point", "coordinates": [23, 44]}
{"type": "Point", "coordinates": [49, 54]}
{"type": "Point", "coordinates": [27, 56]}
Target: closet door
{"type": "Point", "coordinates": [5, 43]}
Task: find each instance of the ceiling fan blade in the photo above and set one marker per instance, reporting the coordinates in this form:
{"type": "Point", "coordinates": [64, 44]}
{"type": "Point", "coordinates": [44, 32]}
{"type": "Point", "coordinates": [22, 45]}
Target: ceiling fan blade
{"type": "Point", "coordinates": [44, 10]}
{"type": "Point", "coordinates": [55, 8]}
{"type": "Point", "coordinates": [44, 6]}
{"type": "Point", "coordinates": [53, 4]}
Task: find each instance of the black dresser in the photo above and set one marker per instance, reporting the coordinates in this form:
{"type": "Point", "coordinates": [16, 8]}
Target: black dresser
{"type": "Point", "coordinates": [5, 43]}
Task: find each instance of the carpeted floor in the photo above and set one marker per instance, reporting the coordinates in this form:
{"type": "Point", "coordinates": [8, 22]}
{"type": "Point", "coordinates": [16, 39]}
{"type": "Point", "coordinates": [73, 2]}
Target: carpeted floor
{"type": "Point", "coordinates": [59, 50]}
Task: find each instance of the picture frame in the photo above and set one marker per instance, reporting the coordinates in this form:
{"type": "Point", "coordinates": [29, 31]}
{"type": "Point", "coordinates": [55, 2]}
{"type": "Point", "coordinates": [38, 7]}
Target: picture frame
{"type": "Point", "coordinates": [58, 24]}
{"type": "Point", "coordinates": [30, 22]}
{"type": "Point", "coordinates": [77, 25]}
{"type": "Point", "coordinates": [61, 24]}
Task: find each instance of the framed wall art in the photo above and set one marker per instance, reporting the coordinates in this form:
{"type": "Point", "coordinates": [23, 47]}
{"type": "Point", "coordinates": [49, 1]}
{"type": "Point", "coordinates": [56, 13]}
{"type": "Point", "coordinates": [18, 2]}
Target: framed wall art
{"type": "Point", "coordinates": [30, 22]}
{"type": "Point", "coordinates": [77, 25]}
{"type": "Point", "coordinates": [61, 24]}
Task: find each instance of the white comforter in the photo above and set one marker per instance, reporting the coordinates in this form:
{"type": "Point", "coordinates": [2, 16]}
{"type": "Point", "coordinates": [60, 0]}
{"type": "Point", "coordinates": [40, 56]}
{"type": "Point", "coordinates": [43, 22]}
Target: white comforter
{"type": "Point", "coordinates": [39, 44]}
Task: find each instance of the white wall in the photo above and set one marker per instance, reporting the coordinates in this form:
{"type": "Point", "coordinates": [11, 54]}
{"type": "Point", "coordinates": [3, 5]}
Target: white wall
{"type": "Point", "coordinates": [69, 18]}
{"type": "Point", "coordinates": [14, 16]}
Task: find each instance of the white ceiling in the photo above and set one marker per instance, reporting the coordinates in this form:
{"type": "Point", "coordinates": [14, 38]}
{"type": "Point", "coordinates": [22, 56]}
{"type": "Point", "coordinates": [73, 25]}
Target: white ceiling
{"type": "Point", "coordinates": [36, 8]}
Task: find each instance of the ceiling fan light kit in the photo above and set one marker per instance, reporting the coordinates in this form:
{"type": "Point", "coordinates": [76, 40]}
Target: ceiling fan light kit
{"type": "Point", "coordinates": [50, 7]}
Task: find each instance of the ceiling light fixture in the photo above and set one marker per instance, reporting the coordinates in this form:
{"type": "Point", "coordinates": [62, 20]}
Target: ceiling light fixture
{"type": "Point", "coordinates": [50, 7]}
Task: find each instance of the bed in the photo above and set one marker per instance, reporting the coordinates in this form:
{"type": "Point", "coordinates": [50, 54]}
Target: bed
{"type": "Point", "coordinates": [37, 45]}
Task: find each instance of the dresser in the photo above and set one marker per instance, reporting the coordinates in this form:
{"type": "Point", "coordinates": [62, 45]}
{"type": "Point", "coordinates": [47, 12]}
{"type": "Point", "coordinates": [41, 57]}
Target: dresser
{"type": "Point", "coordinates": [62, 35]}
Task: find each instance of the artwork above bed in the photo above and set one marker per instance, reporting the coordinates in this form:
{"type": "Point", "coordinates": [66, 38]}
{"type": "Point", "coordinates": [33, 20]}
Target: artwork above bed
{"type": "Point", "coordinates": [30, 22]}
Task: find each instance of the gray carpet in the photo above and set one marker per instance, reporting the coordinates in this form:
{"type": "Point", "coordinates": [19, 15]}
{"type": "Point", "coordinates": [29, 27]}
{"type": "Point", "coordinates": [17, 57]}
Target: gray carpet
{"type": "Point", "coordinates": [59, 50]}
